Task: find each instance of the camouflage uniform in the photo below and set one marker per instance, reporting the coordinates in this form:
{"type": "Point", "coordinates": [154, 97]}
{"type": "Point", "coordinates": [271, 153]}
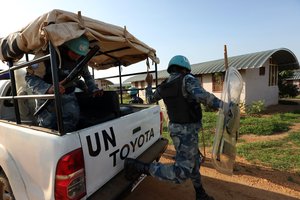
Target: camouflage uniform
{"type": "Point", "coordinates": [35, 78]}
{"type": "Point", "coordinates": [184, 135]}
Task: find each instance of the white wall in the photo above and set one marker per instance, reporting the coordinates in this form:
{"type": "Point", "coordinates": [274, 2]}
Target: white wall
{"type": "Point", "coordinates": [257, 87]}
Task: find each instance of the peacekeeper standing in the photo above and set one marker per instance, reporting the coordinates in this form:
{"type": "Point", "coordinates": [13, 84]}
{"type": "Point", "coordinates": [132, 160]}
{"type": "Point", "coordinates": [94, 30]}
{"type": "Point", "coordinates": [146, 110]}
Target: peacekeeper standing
{"type": "Point", "coordinates": [39, 79]}
{"type": "Point", "coordinates": [182, 94]}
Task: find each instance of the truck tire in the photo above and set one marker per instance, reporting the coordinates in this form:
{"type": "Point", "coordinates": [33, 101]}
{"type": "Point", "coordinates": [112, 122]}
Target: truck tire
{"type": "Point", "coordinates": [5, 189]}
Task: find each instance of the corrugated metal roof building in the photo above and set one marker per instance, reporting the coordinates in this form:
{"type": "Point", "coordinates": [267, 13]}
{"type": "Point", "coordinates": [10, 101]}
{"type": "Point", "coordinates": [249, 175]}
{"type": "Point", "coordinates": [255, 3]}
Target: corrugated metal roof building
{"type": "Point", "coordinates": [259, 71]}
{"type": "Point", "coordinates": [284, 57]}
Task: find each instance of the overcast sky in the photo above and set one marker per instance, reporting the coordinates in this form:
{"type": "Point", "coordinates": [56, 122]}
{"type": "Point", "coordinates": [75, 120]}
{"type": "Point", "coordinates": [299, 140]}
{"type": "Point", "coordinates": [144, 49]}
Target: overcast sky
{"type": "Point", "coordinates": [198, 29]}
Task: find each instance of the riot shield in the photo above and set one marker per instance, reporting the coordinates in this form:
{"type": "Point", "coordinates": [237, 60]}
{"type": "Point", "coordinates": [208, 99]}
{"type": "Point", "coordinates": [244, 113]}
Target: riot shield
{"type": "Point", "coordinates": [228, 122]}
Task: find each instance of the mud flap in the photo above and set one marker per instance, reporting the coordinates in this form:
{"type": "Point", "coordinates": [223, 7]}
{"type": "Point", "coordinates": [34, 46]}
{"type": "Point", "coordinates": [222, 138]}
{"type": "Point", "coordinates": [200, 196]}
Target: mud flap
{"type": "Point", "coordinates": [228, 122]}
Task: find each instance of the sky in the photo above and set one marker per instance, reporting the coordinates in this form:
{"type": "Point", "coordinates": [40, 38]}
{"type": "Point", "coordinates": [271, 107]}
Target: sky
{"type": "Point", "coordinates": [197, 29]}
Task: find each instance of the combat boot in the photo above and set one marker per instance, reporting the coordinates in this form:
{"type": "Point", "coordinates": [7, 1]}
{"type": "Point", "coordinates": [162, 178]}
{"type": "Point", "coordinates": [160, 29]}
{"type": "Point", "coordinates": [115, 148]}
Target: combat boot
{"type": "Point", "coordinates": [201, 194]}
{"type": "Point", "coordinates": [133, 168]}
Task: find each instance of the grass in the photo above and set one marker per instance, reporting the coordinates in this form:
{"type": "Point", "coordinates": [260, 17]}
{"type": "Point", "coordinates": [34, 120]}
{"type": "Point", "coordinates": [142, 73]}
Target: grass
{"type": "Point", "coordinates": [283, 154]}
{"type": "Point", "coordinates": [264, 126]}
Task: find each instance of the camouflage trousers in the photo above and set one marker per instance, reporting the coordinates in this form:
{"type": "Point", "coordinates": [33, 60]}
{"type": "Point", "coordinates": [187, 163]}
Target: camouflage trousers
{"type": "Point", "coordinates": [187, 159]}
{"type": "Point", "coordinates": [70, 114]}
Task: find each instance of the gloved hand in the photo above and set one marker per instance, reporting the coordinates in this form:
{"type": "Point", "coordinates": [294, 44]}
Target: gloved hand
{"type": "Point", "coordinates": [233, 118]}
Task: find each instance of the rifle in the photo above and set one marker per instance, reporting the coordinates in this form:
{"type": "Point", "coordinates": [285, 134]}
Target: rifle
{"type": "Point", "coordinates": [72, 76]}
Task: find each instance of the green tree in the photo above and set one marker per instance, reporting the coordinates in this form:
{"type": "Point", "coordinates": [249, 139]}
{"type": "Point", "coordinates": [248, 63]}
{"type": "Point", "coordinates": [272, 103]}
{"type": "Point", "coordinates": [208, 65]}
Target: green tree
{"type": "Point", "coordinates": [286, 89]}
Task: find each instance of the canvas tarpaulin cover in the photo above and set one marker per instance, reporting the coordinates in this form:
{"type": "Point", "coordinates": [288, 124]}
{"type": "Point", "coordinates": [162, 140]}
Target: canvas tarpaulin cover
{"type": "Point", "coordinates": [117, 45]}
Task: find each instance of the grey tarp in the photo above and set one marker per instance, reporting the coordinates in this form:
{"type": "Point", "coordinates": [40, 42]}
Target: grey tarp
{"type": "Point", "coordinates": [59, 26]}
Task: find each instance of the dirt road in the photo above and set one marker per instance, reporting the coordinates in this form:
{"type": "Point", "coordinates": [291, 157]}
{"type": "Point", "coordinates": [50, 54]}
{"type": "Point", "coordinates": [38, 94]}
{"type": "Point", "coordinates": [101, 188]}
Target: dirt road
{"type": "Point", "coordinates": [249, 182]}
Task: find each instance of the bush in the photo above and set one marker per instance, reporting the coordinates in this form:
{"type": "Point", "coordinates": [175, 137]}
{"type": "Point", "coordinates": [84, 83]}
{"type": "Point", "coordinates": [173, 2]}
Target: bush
{"type": "Point", "coordinates": [288, 90]}
{"type": "Point", "coordinates": [255, 108]}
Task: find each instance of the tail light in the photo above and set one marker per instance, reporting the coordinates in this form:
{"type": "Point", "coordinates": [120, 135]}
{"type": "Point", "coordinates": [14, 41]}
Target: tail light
{"type": "Point", "coordinates": [161, 122]}
{"type": "Point", "coordinates": [70, 176]}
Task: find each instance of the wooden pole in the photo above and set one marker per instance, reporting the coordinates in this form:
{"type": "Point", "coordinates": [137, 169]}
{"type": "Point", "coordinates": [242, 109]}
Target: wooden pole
{"type": "Point", "coordinates": [225, 57]}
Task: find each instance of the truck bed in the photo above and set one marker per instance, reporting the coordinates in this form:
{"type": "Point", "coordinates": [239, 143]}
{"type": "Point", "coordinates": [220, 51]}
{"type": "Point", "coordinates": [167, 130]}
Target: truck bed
{"type": "Point", "coordinates": [95, 110]}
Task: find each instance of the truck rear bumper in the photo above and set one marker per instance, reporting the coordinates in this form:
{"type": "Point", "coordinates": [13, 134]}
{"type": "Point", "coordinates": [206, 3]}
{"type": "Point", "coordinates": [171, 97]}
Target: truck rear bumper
{"type": "Point", "coordinates": [117, 185]}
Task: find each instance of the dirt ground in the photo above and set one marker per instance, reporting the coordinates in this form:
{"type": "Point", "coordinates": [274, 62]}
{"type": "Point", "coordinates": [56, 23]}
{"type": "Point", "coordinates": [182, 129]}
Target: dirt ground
{"type": "Point", "coordinates": [249, 182]}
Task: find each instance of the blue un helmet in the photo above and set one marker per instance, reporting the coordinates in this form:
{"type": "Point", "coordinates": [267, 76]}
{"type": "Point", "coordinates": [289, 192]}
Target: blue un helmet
{"type": "Point", "coordinates": [132, 91]}
{"type": "Point", "coordinates": [180, 61]}
{"type": "Point", "coordinates": [79, 45]}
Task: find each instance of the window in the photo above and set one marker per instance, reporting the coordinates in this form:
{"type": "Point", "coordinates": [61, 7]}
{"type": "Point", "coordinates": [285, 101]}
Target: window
{"type": "Point", "coordinates": [273, 73]}
{"type": "Point", "coordinates": [262, 71]}
{"type": "Point", "coordinates": [217, 80]}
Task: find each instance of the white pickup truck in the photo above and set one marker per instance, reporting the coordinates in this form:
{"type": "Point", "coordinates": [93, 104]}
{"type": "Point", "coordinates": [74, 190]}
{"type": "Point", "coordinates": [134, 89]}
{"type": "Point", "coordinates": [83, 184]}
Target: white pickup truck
{"type": "Point", "coordinates": [37, 163]}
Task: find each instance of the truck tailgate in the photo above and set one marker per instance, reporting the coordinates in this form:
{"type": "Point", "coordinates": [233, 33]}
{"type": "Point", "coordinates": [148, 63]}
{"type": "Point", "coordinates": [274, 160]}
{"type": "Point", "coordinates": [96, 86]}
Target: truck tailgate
{"type": "Point", "coordinates": [117, 185]}
{"type": "Point", "coordinates": [105, 146]}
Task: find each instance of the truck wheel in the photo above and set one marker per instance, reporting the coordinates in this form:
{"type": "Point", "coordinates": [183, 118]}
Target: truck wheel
{"type": "Point", "coordinates": [5, 189]}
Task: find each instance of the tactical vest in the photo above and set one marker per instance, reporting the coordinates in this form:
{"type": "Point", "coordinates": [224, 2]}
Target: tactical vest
{"type": "Point", "coordinates": [180, 109]}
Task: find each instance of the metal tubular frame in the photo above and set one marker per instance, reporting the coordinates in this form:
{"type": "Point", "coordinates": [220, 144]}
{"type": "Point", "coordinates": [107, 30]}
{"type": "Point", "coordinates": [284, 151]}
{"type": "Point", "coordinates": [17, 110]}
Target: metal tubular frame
{"type": "Point", "coordinates": [52, 56]}
{"type": "Point", "coordinates": [56, 96]}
